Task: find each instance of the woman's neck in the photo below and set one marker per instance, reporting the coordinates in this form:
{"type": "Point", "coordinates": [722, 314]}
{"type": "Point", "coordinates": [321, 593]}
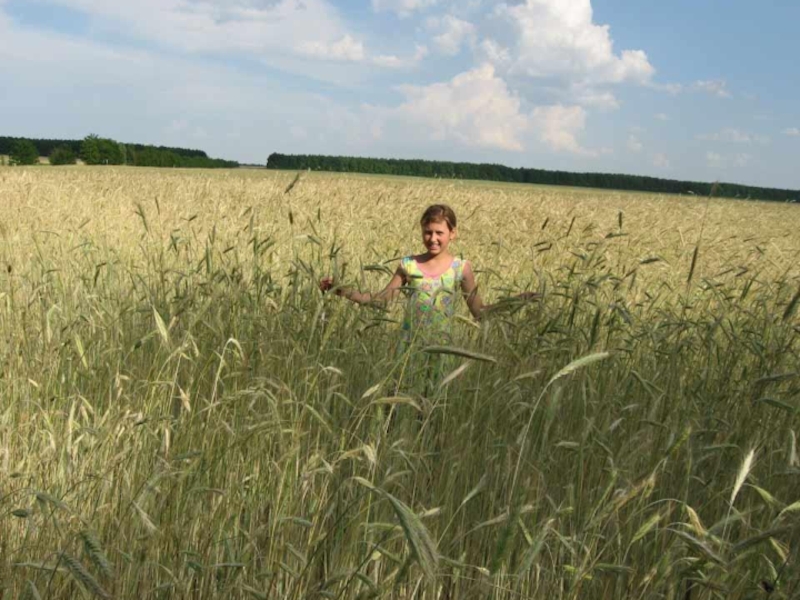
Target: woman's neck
{"type": "Point", "coordinates": [445, 258]}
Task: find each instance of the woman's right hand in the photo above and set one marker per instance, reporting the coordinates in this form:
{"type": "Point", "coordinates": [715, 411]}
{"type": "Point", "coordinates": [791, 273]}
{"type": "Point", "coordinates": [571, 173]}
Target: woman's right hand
{"type": "Point", "coordinates": [325, 284]}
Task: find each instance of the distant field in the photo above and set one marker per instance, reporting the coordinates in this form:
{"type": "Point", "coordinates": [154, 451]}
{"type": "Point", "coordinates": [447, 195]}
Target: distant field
{"type": "Point", "coordinates": [184, 415]}
{"type": "Point", "coordinates": [468, 182]}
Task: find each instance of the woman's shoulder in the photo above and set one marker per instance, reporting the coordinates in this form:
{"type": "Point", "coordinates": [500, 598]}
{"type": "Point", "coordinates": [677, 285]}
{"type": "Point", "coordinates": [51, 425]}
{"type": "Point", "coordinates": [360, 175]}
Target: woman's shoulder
{"type": "Point", "coordinates": [408, 264]}
{"type": "Point", "coordinates": [460, 263]}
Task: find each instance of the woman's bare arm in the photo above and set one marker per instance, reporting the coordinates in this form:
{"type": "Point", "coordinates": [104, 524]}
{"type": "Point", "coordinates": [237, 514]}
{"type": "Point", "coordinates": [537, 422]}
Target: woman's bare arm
{"type": "Point", "coordinates": [469, 288]}
{"type": "Point", "coordinates": [387, 294]}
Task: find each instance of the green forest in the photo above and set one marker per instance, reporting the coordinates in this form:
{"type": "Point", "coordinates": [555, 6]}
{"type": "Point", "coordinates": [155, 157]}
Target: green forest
{"type": "Point", "coordinates": [494, 172]}
{"type": "Point", "coordinates": [96, 150]}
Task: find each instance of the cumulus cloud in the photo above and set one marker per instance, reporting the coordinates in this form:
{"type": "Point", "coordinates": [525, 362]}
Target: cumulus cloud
{"type": "Point", "coordinates": [451, 33]}
{"type": "Point", "coordinates": [401, 7]}
{"type": "Point", "coordinates": [395, 62]}
{"type": "Point", "coordinates": [594, 98]}
{"type": "Point", "coordinates": [715, 87]}
{"type": "Point", "coordinates": [732, 135]}
{"type": "Point", "coordinates": [475, 108]}
{"type": "Point", "coordinates": [344, 49]}
{"type": "Point", "coordinates": [558, 127]}
{"type": "Point", "coordinates": [634, 144]}
{"type": "Point", "coordinates": [661, 117]}
{"type": "Point", "coordinates": [557, 38]}
{"type": "Point", "coordinates": [495, 53]}
{"type": "Point", "coordinates": [792, 132]}
{"type": "Point", "coordinates": [478, 109]}
{"type": "Point", "coordinates": [348, 49]}
{"type": "Point", "coordinates": [670, 88]}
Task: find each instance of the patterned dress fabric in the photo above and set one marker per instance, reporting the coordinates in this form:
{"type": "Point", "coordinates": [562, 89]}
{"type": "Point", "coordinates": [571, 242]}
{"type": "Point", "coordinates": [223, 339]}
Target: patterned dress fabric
{"type": "Point", "coordinates": [432, 301]}
{"type": "Point", "coordinates": [428, 319]}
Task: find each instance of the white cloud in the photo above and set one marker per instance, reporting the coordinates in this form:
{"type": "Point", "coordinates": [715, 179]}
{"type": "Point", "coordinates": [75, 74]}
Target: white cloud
{"type": "Point", "coordinates": [475, 108]}
{"type": "Point", "coordinates": [670, 88]}
{"type": "Point", "coordinates": [452, 33]}
{"type": "Point", "coordinates": [558, 38]}
{"type": "Point", "coordinates": [588, 96]}
{"type": "Point", "coordinates": [733, 136]}
{"type": "Point", "coordinates": [558, 127]}
{"type": "Point", "coordinates": [661, 117]}
{"type": "Point", "coordinates": [346, 49]}
{"type": "Point", "coordinates": [271, 31]}
{"type": "Point", "coordinates": [661, 161]}
{"type": "Point", "coordinates": [715, 87]}
{"type": "Point", "coordinates": [792, 132]}
{"type": "Point", "coordinates": [495, 53]}
{"type": "Point", "coordinates": [401, 7]}
{"type": "Point", "coordinates": [140, 96]}
{"type": "Point", "coordinates": [719, 161]}
{"type": "Point", "coordinates": [634, 144]}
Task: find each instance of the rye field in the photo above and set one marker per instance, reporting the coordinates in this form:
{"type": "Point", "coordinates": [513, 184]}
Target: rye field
{"type": "Point", "coordinates": [184, 415]}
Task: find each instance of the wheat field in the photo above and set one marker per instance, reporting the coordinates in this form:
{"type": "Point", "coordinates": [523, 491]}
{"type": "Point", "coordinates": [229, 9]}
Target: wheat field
{"type": "Point", "coordinates": [184, 415]}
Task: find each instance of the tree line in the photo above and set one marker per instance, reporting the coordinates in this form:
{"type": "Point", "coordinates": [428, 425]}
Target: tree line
{"type": "Point", "coordinates": [495, 172]}
{"type": "Point", "coordinates": [96, 150]}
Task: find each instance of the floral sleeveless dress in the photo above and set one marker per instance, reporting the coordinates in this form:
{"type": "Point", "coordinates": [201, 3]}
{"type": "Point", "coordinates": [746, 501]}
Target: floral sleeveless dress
{"type": "Point", "coordinates": [432, 300]}
{"type": "Point", "coordinates": [427, 321]}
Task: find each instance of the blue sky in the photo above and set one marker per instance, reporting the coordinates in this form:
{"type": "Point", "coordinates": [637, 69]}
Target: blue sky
{"type": "Point", "coordinates": [701, 89]}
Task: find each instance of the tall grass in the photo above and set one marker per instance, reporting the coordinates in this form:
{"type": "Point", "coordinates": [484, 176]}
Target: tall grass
{"type": "Point", "coordinates": [183, 415]}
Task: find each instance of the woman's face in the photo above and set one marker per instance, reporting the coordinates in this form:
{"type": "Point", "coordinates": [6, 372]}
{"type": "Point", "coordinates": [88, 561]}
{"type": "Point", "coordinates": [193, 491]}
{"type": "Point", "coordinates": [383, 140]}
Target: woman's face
{"type": "Point", "coordinates": [437, 236]}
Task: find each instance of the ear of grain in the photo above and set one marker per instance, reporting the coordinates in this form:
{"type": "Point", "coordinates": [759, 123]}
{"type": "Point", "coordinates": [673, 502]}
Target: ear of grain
{"type": "Point", "coordinates": [744, 471]}
{"type": "Point", "coordinates": [455, 373]}
{"type": "Point", "coordinates": [695, 254]}
{"type": "Point", "coordinates": [417, 535]}
{"type": "Point", "coordinates": [536, 546]}
{"type": "Point", "coordinates": [294, 182]}
{"type": "Point", "coordinates": [577, 364]}
{"type": "Point", "coordinates": [81, 574]}
{"type": "Point", "coordinates": [476, 490]}
{"type": "Point", "coordinates": [31, 592]}
{"type": "Point", "coordinates": [460, 352]}
{"type": "Point", "coordinates": [398, 400]}
{"type": "Point", "coordinates": [694, 521]}
{"type": "Point", "coordinates": [419, 539]}
{"type": "Point", "coordinates": [792, 306]}
{"type": "Point", "coordinates": [791, 509]}
{"type": "Point", "coordinates": [646, 528]}
{"type": "Point", "coordinates": [145, 519]}
{"type": "Point", "coordinates": [161, 327]}
{"type": "Point", "coordinates": [94, 551]}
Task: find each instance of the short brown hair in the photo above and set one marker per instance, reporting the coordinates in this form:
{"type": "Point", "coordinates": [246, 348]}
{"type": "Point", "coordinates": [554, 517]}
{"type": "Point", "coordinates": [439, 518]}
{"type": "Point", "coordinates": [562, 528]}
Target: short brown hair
{"type": "Point", "coordinates": [437, 213]}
